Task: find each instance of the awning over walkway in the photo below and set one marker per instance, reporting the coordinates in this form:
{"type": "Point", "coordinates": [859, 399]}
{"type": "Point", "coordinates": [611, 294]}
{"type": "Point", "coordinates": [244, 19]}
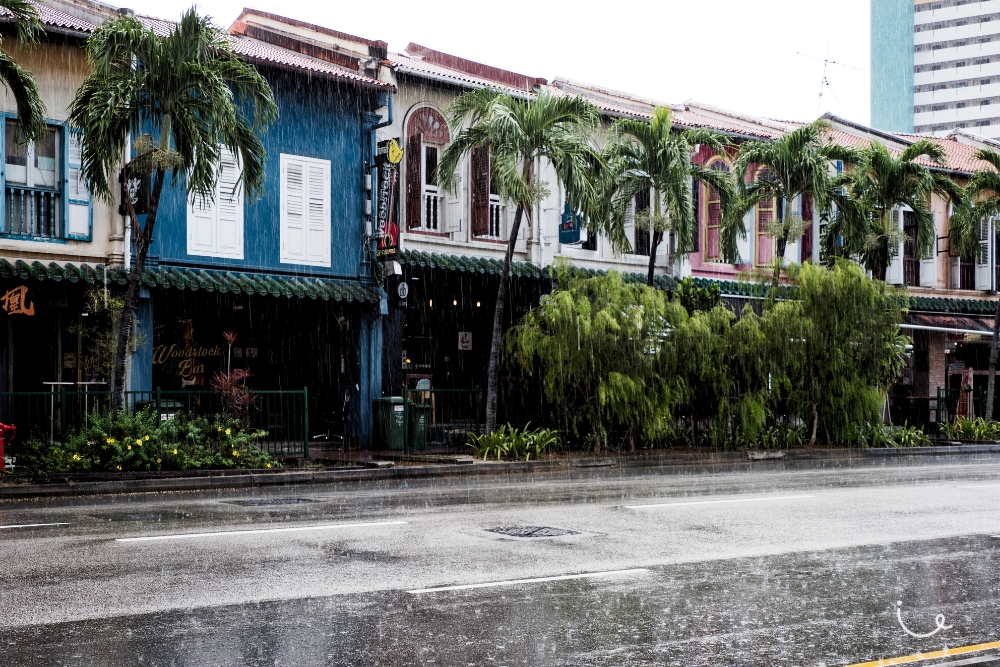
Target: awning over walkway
{"type": "Point", "coordinates": [209, 280]}
{"type": "Point", "coordinates": [948, 323]}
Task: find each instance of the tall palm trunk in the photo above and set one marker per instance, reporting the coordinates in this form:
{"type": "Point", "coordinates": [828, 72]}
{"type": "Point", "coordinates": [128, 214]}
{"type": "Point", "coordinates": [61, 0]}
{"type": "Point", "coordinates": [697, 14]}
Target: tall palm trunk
{"type": "Point", "coordinates": [991, 380]}
{"type": "Point", "coordinates": [132, 294]}
{"type": "Point", "coordinates": [494, 364]}
{"type": "Point", "coordinates": [654, 240]}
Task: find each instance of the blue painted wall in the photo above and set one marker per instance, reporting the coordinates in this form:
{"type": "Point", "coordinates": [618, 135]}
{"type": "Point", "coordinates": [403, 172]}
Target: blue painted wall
{"type": "Point", "coordinates": [892, 65]}
{"type": "Point", "coordinates": [318, 119]}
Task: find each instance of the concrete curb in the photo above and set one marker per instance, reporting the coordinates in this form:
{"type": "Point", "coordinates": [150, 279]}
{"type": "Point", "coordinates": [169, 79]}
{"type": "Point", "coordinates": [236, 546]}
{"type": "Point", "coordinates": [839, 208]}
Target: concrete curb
{"type": "Point", "coordinates": [479, 469]}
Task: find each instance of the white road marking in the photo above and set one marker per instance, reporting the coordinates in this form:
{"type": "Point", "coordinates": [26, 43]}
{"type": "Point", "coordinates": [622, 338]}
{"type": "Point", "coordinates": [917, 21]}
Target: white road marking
{"type": "Point", "coordinates": [330, 526]}
{"type": "Point", "coordinates": [34, 525]}
{"type": "Point", "coordinates": [980, 486]}
{"type": "Point", "coordinates": [513, 582]}
{"type": "Point", "coordinates": [714, 502]}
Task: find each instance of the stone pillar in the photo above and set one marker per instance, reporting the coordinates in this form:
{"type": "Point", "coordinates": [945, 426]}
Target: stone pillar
{"type": "Point", "coordinates": [937, 362]}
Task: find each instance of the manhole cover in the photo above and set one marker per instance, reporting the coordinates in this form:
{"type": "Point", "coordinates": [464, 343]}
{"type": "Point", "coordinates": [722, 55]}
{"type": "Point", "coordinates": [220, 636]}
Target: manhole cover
{"type": "Point", "coordinates": [531, 531]}
{"type": "Point", "coordinates": [266, 502]}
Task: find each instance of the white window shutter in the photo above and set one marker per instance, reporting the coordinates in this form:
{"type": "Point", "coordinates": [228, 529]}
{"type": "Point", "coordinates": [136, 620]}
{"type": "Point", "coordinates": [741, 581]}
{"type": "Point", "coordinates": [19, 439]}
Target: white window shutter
{"type": "Point", "coordinates": [956, 273]}
{"type": "Point", "coordinates": [894, 272]}
{"type": "Point", "coordinates": [305, 211]}
{"type": "Point", "coordinates": [215, 227]}
{"type": "Point", "coordinates": [984, 263]}
{"type": "Point", "coordinates": [78, 222]}
{"type": "Point", "coordinates": [928, 265]}
{"type": "Point", "coordinates": [453, 208]}
{"type": "Point", "coordinates": [229, 206]}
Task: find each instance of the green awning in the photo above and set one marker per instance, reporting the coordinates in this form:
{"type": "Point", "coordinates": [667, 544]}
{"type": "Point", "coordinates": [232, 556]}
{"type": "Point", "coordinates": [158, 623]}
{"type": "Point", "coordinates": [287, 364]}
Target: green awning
{"type": "Point", "coordinates": [209, 280]}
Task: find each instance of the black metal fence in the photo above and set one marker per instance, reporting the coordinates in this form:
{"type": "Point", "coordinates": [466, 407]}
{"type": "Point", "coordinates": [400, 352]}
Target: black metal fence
{"type": "Point", "coordinates": [282, 414]}
{"type": "Point", "coordinates": [441, 418]}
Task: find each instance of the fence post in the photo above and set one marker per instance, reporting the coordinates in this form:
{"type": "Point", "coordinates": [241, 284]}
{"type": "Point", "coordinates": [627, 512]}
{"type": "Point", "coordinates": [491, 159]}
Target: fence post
{"type": "Point", "coordinates": [158, 409]}
{"type": "Point", "coordinates": [406, 421]}
{"type": "Point", "coordinates": [305, 419]}
{"type": "Point", "coordinates": [475, 397]}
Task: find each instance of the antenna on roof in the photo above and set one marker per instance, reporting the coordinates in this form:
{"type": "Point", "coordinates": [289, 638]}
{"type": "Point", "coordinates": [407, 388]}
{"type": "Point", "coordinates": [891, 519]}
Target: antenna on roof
{"type": "Point", "coordinates": [824, 82]}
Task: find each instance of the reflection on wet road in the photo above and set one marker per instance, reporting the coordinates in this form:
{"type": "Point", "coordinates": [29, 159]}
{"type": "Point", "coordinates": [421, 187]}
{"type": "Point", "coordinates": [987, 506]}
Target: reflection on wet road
{"type": "Point", "coordinates": [833, 567]}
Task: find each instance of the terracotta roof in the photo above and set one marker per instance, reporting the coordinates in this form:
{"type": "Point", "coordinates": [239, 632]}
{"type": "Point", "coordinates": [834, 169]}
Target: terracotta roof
{"type": "Point", "coordinates": [958, 156]}
{"type": "Point", "coordinates": [161, 27]}
{"type": "Point", "coordinates": [258, 51]}
{"type": "Point", "coordinates": [58, 19]}
{"type": "Point", "coordinates": [311, 26]}
{"type": "Point", "coordinates": [406, 63]}
{"type": "Point", "coordinates": [694, 119]}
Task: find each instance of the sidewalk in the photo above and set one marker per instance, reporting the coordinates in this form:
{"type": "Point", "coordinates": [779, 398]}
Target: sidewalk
{"type": "Point", "coordinates": [78, 485]}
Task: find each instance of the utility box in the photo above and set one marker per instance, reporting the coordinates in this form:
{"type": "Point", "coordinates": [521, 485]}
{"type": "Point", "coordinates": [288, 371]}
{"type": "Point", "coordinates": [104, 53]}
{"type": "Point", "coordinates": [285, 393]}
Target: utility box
{"type": "Point", "coordinates": [390, 423]}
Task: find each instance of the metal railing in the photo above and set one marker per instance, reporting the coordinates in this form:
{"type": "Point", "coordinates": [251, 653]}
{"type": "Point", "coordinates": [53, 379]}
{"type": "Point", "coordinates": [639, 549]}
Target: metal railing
{"type": "Point", "coordinates": [283, 414]}
{"type": "Point", "coordinates": [440, 418]}
{"type": "Point", "coordinates": [33, 212]}
{"type": "Point", "coordinates": [952, 403]}
{"type": "Point", "coordinates": [911, 271]}
{"type": "Point", "coordinates": [496, 219]}
{"type": "Point", "coordinates": [432, 210]}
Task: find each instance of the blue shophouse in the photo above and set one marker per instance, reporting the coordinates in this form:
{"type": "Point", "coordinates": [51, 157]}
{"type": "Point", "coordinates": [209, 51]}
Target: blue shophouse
{"type": "Point", "coordinates": [291, 274]}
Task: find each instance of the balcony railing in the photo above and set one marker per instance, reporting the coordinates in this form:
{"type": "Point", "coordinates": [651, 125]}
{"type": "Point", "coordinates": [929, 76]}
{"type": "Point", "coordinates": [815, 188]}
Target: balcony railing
{"type": "Point", "coordinates": [967, 276]}
{"type": "Point", "coordinates": [911, 271]}
{"type": "Point", "coordinates": [32, 213]}
{"type": "Point", "coordinates": [432, 210]}
{"type": "Point", "coordinates": [496, 220]}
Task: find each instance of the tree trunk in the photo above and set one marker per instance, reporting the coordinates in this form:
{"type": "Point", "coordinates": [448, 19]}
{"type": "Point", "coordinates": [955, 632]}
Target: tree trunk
{"type": "Point", "coordinates": [132, 294]}
{"type": "Point", "coordinates": [597, 436]}
{"type": "Point", "coordinates": [812, 438]}
{"type": "Point", "coordinates": [780, 244]}
{"type": "Point", "coordinates": [494, 365]}
{"type": "Point", "coordinates": [654, 242]}
{"type": "Point", "coordinates": [991, 380]}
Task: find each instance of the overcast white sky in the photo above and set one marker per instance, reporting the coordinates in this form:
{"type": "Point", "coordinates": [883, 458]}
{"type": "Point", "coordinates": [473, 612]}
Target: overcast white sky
{"type": "Point", "coordinates": [737, 54]}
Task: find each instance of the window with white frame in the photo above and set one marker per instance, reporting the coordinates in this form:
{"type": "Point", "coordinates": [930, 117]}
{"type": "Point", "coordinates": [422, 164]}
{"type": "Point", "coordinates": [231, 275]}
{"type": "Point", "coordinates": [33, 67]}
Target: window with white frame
{"type": "Point", "coordinates": [305, 211]}
{"type": "Point", "coordinates": [43, 199]}
{"type": "Point", "coordinates": [215, 224]}
{"type": "Point", "coordinates": [433, 200]}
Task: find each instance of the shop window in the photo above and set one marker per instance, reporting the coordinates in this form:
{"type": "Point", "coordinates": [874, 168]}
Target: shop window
{"type": "Point", "coordinates": [589, 243]}
{"type": "Point", "coordinates": [713, 216]}
{"type": "Point", "coordinates": [305, 211]}
{"type": "Point", "coordinates": [41, 200]}
{"type": "Point", "coordinates": [215, 225]}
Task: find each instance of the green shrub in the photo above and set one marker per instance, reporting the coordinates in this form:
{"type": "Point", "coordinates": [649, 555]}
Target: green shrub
{"type": "Point", "coordinates": [970, 429]}
{"type": "Point", "coordinates": [507, 441]}
{"type": "Point", "coordinates": [124, 441]}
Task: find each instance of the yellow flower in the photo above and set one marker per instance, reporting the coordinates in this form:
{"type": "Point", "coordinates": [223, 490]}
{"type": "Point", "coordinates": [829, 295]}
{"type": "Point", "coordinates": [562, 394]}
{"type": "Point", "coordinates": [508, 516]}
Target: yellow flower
{"type": "Point", "coordinates": [235, 453]}
{"type": "Point", "coordinates": [268, 465]}
{"type": "Point", "coordinates": [119, 467]}
{"type": "Point", "coordinates": [220, 428]}
{"type": "Point", "coordinates": [130, 448]}
{"type": "Point", "coordinates": [157, 460]}
{"type": "Point", "coordinates": [228, 431]}
{"type": "Point", "coordinates": [76, 457]}
{"type": "Point", "coordinates": [138, 441]}
{"type": "Point", "coordinates": [175, 450]}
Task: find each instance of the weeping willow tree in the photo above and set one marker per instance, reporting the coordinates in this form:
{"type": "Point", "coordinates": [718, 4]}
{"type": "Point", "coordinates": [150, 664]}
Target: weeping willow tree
{"type": "Point", "coordinates": [624, 357]}
{"type": "Point", "coordinates": [601, 344]}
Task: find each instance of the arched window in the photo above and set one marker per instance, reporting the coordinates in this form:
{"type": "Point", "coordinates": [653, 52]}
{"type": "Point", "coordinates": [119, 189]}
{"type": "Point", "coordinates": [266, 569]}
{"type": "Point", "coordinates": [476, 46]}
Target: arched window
{"type": "Point", "coordinates": [426, 136]}
{"type": "Point", "coordinates": [767, 211]}
{"type": "Point", "coordinates": [713, 215]}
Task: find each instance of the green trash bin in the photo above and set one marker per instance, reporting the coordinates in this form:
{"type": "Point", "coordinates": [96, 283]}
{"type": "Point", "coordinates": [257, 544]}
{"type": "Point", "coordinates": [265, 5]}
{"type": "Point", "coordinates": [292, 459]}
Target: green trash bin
{"type": "Point", "coordinates": [389, 423]}
{"type": "Point", "coordinates": [420, 424]}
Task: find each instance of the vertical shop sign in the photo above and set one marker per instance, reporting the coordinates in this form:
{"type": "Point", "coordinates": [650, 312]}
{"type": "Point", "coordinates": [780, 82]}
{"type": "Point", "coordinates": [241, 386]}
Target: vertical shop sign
{"type": "Point", "coordinates": [569, 227]}
{"type": "Point", "coordinates": [387, 161]}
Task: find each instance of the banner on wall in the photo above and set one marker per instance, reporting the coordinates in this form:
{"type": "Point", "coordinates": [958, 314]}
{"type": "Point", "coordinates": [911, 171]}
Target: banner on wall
{"type": "Point", "coordinates": [569, 227]}
{"type": "Point", "coordinates": [387, 159]}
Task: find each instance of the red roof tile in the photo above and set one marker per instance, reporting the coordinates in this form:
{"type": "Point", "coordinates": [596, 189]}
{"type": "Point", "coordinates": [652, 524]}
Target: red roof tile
{"type": "Point", "coordinates": [56, 18]}
{"type": "Point", "coordinates": [406, 63]}
{"type": "Point", "coordinates": [255, 50]}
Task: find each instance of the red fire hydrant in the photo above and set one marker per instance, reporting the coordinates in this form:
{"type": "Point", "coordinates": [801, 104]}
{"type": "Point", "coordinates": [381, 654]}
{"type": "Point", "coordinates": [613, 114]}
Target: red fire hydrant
{"type": "Point", "coordinates": [6, 435]}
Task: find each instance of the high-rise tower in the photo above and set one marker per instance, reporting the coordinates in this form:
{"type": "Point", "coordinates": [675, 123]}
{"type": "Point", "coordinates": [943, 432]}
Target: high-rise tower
{"type": "Point", "coordinates": [936, 66]}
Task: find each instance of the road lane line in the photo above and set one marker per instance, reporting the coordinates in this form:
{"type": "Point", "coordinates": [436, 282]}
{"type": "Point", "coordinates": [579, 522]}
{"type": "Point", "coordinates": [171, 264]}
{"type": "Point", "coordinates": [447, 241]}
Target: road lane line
{"type": "Point", "coordinates": [980, 486]}
{"type": "Point", "coordinates": [919, 657]}
{"type": "Point", "coordinates": [330, 526]}
{"type": "Point", "coordinates": [34, 525]}
{"type": "Point", "coordinates": [714, 502]}
{"type": "Point", "coordinates": [538, 580]}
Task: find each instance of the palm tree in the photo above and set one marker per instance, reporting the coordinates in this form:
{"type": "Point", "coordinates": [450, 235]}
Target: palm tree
{"type": "Point", "coordinates": [30, 109]}
{"type": "Point", "coordinates": [656, 157]}
{"type": "Point", "coordinates": [188, 88]}
{"type": "Point", "coordinates": [984, 189]}
{"type": "Point", "coordinates": [796, 164]}
{"type": "Point", "coordinates": [519, 133]}
{"type": "Point", "coordinates": [877, 183]}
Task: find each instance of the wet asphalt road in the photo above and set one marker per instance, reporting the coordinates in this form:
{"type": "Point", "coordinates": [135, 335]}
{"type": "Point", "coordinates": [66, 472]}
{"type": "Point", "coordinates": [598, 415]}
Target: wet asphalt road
{"type": "Point", "coordinates": [759, 564]}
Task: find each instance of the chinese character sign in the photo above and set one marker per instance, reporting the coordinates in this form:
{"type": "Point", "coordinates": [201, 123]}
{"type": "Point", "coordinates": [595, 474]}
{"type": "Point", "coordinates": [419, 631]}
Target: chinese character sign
{"type": "Point", "coordinates": [387, 200]}
{"type": "Point", "coordinates": [15, 302]}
